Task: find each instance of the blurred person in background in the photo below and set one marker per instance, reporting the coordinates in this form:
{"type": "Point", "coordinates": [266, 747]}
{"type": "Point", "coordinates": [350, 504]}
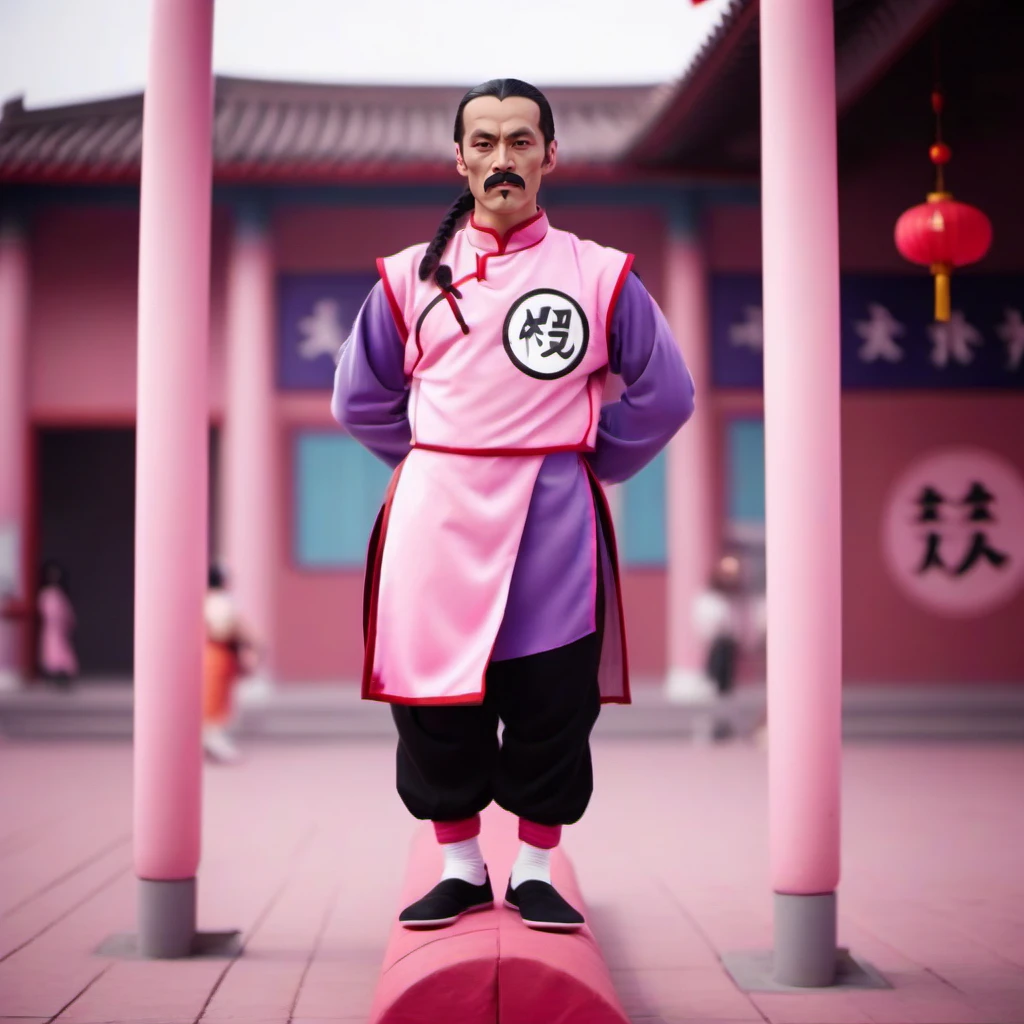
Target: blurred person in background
{"type": "Point", "coordinates": [228, 653]}
{"type": "Point", "coordinates": [58, 662]}
{"type": "Point", "coordinates": [477, 367]}
{"type": "Point", "coordinates": [717, 617]}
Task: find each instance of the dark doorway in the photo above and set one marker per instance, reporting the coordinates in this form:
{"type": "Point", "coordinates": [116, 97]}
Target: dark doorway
{"type": "Point", "coordinates": [87, 523]}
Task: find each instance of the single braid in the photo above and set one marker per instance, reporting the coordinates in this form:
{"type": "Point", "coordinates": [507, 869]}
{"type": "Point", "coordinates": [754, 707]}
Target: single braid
{"type": "Point", "coordinates": [458, 210]}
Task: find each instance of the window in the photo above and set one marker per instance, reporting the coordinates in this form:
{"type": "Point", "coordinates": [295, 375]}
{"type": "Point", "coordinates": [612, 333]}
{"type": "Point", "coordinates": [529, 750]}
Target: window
{"type": "Point", "coordinates": [642, 533]}
{"type": "Point", "coordinates": [339, 488]}
{"type": "Point", "coordinates": [745, 473]}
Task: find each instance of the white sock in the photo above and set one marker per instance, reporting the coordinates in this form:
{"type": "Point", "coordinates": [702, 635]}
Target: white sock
{"type": "Point", "coordinates": [532, 863]}
{"type": "Point", "coordinates": [464, 860]}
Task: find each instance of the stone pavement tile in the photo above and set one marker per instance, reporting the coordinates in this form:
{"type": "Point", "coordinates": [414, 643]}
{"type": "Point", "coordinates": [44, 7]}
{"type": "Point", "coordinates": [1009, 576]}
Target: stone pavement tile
{"type": "Point", "coordinates": [641, 930]}
{"type": "Point", "coordinates": [52, 971]}
{"type": "Point", "coordinates": [697, 993]}
{"type": "Point", "coordinates": [331, 989]}
{"type": "Point", "coordinates": [136, 990]}
{"type": "Point", "coordinates": [810, 1008]}
{"type": "Point", "coordinates": [21, 926]}
{"type": "Point", "coordinates": [922, 1006]}
{"type": "Point", "coordinates": [690, 1020]}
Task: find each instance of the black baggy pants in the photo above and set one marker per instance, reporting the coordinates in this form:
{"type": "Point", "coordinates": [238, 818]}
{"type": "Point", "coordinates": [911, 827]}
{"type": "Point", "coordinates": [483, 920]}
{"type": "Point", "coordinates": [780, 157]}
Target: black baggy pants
{"type": "Point", "coordinates": [450, 763]}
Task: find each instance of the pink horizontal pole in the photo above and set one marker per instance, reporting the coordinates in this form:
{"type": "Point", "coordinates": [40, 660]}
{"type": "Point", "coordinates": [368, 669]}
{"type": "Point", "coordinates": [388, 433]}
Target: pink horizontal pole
{"type": "Point", "coordinates": [802, 443]}
{"type": "Point", "coordinates": [171, 459]}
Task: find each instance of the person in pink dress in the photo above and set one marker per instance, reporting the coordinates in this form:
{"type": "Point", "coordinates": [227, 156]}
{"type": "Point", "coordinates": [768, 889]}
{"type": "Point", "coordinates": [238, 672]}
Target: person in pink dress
{"type": "Point", "coordinates": [477, 369]}
{"type": "Point", "coordinates": [57, 659]}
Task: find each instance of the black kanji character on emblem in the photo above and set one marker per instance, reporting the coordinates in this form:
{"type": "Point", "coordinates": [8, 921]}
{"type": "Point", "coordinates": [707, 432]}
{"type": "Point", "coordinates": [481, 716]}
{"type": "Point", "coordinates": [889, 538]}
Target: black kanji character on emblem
{"type": "Point", "coordinates": [980, 548]}
{"type": "Point", "coordinates": [929, 501]}
{"type": "Point", "coordinates": [558, 335]}
{"type": "Point", "coordinates": [978, 499]}
{"type": "Point", "coordinates": [932, 557]}
{"type": "Point", "coordinates": [534, 325]}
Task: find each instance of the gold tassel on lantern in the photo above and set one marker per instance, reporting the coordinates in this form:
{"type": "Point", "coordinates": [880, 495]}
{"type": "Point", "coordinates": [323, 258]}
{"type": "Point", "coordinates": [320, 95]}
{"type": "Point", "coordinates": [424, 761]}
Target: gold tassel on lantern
{"type": "Point", "coordinates": [941, 272]}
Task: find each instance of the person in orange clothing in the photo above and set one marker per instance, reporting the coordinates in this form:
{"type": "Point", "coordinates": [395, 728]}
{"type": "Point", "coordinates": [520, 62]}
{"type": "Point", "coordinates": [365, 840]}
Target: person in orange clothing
{"type": "Point", "coordinates": [228, 653]}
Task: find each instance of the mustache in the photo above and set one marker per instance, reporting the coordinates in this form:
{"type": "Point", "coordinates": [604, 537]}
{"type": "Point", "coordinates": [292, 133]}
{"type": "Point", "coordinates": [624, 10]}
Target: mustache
{"type": "Point", "coordinates": [503, 178]}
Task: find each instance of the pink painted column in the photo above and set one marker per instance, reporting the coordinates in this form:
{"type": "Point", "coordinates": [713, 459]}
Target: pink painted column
{"type": "Point", "coordinates": [14, 301]}
{"type": "Point", "coordinates": [249, 474]}
{"type": "Point", "coordinates": [171, 468]}
{"type": "Point", "coordinates": [802, 469]}
{"type": "Point", "coordinates": [691, 535]}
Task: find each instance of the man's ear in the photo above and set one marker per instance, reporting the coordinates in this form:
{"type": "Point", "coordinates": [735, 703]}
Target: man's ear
{"type": "Point", "coordinates": [460, 164]}
{"type": "Point", "coordinates": [551, 159]}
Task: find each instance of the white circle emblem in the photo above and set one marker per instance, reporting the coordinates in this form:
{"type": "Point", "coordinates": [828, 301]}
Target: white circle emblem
{"type": "Point", "coordinates": [546, 334]}
{"type": "Point", "coordinates": [953, 532]}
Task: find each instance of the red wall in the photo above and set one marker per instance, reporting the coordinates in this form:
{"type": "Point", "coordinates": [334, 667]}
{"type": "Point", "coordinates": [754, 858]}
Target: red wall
{"type": "Point", "coordinates": [886, 637]}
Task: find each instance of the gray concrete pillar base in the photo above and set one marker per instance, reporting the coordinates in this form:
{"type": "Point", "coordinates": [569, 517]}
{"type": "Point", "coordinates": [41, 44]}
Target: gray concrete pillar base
{"type": "Point", "coordinates": [805, 940]}
{"type": "Point", "coordinates": [166, 917]}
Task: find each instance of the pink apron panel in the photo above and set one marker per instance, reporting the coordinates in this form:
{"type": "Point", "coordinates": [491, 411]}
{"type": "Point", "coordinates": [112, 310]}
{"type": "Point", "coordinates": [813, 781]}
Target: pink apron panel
{"type": "Point", "coordinates": [445, 555]}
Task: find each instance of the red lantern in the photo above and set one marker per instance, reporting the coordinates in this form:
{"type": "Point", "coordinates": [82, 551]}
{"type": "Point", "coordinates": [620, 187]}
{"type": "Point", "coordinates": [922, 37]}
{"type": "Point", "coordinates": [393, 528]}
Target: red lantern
{"type": "Point", "coordinates": [942, 234]}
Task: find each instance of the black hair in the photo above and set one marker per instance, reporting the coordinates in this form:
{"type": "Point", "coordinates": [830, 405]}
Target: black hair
{"type": "Point", "coordinates": [500, 88]}
{"type": "Point", "coordinates": [215, 579]}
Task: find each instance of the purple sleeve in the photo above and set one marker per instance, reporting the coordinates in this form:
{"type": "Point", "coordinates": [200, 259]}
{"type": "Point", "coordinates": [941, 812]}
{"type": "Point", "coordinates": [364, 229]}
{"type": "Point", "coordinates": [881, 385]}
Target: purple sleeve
{"type": "Point", "coordinates": [658, 395]}
{"type": "Point", "coordinates": [370, 391]}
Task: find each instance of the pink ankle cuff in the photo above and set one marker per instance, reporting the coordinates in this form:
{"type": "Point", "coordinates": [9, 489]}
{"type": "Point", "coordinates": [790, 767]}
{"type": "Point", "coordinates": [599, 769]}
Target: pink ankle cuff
{"type": "Point", "coordinates": [457, 831]}
{"type": "Point", "coordinates": [544, 837]}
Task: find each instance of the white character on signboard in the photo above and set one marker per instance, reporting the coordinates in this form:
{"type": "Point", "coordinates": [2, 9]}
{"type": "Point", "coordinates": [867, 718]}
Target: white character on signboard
{"type": "Point", "coordinates": [1011, 331]}
{"type": "Point", "coordinates": [953, 340]}
{"type": "Point", "coordinates": [322, 331]}
{"type": "Point", "coordinates": [879, 332]}
{"type": "Point", "coordinates": [750, 331]}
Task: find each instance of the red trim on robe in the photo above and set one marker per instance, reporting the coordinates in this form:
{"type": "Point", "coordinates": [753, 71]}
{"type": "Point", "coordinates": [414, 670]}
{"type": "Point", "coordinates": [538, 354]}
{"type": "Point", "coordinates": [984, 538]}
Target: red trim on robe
{"type": "Point", "coordinates": [550, 450]}
{"type": "Point", "coordinates": [503, 240]}
{"type": "Point", "coordinates": [608, 528]}
{"type": "Point", "coordinates": [378, 558]}
{"type": "Point", "coordinates": [619, 285]}
{"type": "Point", "coordinates": [396, 310]}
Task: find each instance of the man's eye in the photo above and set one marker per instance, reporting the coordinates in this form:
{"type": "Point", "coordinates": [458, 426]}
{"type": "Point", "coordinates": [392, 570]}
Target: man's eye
{"type": "Point", "coordinates": [522, 142]}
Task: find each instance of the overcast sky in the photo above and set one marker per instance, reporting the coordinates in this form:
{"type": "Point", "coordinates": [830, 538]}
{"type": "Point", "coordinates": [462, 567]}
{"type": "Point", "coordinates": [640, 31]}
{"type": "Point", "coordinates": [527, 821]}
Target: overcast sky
{"type": "Point", "coordinates": [57, 51]}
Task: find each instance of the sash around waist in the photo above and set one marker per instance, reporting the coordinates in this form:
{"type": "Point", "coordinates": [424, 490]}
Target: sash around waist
{"type": "Point", "coordinates": [548, 450]}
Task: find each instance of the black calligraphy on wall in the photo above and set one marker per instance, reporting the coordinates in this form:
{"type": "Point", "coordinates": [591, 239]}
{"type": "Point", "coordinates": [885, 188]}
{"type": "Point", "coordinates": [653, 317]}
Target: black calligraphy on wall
{"type": "Point", "coordinates": [937, 511]}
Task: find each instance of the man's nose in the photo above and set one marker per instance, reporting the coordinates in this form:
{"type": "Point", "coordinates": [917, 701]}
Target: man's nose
{"type": "Point", "coordinates": [504, 159]}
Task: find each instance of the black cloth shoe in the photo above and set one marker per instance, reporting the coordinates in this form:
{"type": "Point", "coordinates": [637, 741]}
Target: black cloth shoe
{"type": "Point", "coordinates": [447, 902]}
{"type": "Point", "coordinates": [541, 907]}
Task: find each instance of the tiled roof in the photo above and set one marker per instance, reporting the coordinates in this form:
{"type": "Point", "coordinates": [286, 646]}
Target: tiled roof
{"type": "Point", "coordinates": [711, 120]}
{"type": "Point", "coordinates": [265, 130]}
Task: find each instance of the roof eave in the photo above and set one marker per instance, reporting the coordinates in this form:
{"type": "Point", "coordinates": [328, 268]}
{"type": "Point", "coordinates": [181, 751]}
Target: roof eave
{"type": "Point", "coordinates": [696, 80]}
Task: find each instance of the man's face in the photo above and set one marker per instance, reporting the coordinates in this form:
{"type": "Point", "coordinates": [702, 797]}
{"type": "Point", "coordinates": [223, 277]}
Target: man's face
{"type": "Point", "coordinates": [503, 136]}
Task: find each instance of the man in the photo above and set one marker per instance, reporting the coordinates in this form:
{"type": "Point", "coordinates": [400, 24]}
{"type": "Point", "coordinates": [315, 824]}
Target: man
{"type": "Point", "coordinates": [476, 367]}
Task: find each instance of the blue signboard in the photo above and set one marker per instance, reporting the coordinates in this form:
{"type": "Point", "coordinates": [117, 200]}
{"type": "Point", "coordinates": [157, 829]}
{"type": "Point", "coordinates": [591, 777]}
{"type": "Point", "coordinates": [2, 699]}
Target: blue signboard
{"type": "Point", "coordinates": [888, 337]}
{"type": "Point", "coordinates": [315, 315]}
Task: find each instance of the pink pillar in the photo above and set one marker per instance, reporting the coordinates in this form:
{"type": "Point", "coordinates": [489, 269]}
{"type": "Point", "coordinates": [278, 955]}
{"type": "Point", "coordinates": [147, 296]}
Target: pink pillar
{"type": "Point", "coordinates": [802, 468]}
{"type": "Point", "coordinates": [250, 498]}
{"type": "Point", "coordinates": [171, 483]}
{"type": "Point", "coordinates": [14, 299]}
{"type": "Point", "coordinates": [690, 498]}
